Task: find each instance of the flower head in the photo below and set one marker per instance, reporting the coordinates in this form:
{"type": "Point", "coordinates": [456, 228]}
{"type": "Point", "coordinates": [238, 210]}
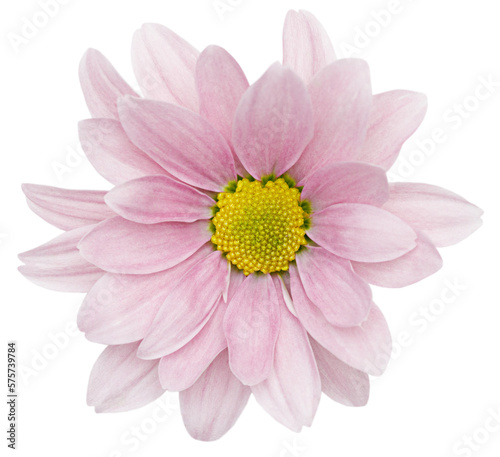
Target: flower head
{"type": "Point", "coordinates": [233, 255]}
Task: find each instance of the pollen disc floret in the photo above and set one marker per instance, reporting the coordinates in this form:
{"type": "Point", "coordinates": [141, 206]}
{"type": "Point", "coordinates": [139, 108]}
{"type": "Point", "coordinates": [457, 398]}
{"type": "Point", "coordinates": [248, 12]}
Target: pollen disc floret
{"type": "Point", "coordinates": [260, 226]}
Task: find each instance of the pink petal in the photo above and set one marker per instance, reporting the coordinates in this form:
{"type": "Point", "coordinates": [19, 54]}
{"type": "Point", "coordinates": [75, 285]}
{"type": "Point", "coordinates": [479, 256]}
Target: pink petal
{"type": "Point", "coordinates": [101, 85]}
{"type": "Point", "coordinates": [112, 154]}
{"type": "Point", "coordinates": [67, 209]}
{"type": "Point", "coordinates": [341, 382]}
{"type": "Point", "coordinates": [58, 265]}
{"type": "Point", "coordinates": [292, 391]}
{"type": "Point", "coordinates": [164, 65]}
{"type": "Point", "coordinates": [236, 278]}
{"type": "Point", "coordinates": [182, 142]}
{"type": "Point", "coordinates": [221, 83]}
{"type": "Point", "coordinates": [445, 217]}
{"type": "Point", "coordinates": [120, 381]}
{"type": "Point", "coordinates": [119, 309]}
{"type": "Point", "coordinates": [120, 246]}
{"type": "Point", "coordinates": [332, 286]}
{"type": "Point", "coordinates": [341, 97]}
{"type": "Point", "coordinates": [251, 325]}
{"type": "Point", "coordinates": [395, 115]}
{"type": "Point", "coordinates": [362, 232]}
{"type": "Point", "coordinates": [182, 368]}
{"type": "Point", "coordinates": [71, 278]}
{"type": "Point", "coordinates": [306, 46]}
{"type": "Point", "coordinates": [366, 347]}
{"type": "Point", "coordinates": [187, 308]}
{"type": "Point", "coordinates": [212, 405]}
{"type": "Point", "coordinates": [346, 182]}
{"type": "Point", "coordinates": [154, 199]}
{"type": "Point", "coordinates": [419, 263]}
{"type": "Point", "coordinates": [273, 123]}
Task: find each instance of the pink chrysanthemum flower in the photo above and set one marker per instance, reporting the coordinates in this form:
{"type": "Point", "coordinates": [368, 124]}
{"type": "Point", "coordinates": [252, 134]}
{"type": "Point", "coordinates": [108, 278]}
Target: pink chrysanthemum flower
{"type": "Point", "coordinates": [234, 254]}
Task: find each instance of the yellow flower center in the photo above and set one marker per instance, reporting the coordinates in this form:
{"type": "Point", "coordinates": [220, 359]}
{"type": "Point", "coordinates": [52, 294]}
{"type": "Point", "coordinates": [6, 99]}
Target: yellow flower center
{"type": "Point", "coordinates": [260, 227]}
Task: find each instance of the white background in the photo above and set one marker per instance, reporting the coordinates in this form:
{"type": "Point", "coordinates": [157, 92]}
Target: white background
{"type": "Point", "coordinates": [442, 385]}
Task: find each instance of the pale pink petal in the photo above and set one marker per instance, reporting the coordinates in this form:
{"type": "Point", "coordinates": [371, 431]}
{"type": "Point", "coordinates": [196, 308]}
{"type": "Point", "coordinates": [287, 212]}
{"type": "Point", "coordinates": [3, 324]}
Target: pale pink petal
{"type": "Point", "coordinates": [119, 309]}
{"type": "Point", "coordinates": [251, 325]}
{"type": "Point", "coordinates": [164, 65]}
{"type": "Point", "coordinates": [58, 265]}
{"type": "Point", "coordinates": [419, 263]}
{"type": "Point", "coordinates": [112, 154]}
{"type": "Point", "coordinates": [279, 283]}
{"type": "Point", "coordinates": [292, 391]}
{"type": "Point", "coordinates": [273, 123]}
{"type": "Point", "coordinates": [187, 308]}
{"type": "Point", "coordinates": [341, 97]}
{"type": "Point", "coordinates": [395, 115]}
{"type": "Point", "coordinates": [221, 83]}
{"type": "Point", "coordinates": [341, 382]}
{"type": "Point", "coordinates": [58, 252]}
{"type": "Point", "coordinates": [235, 280]}
{"type": "Point", "coordinates": [306, 46]}
{"type": "Point", "coordinates": [154, 199]}
{"type": "Point", "coordinates": [366, 347]}
{"type": "Point", "coordinates": [346, 182]}
{"type": "Point", "coordinates": [362, 232]}
{"type": "Point", "coordinates": [445, 217]}
{"type": "Point", "coordinates": [333, 287]}
{"type": "Point", "coordinates": [120, 246]}
{"type": "Point", "coordinates": [101, 85]}
{"type": "Point", "coordinates": [212, 405]}
{"type": "Point", "coordinates": [71, 278]}
{"type": "Point", "coordinates": [182, 142]}
{"type": "Point", "coordinates": [182, 368]}
{"type": "Point", "coordinates": [67, 209]}
{"type": "Point", "coordinates": [120, 381]}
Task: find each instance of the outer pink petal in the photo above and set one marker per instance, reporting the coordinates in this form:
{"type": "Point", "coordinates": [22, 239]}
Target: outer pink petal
{"type": "Point", "coordinates": [112, 154]}
{"type": "Point", "coordinates": [221, 83]}
{"type": "Point", "coordinates": [306, 46]}
{"type": "Point", "coordinates": [292, 391]}
{"type": "Point", "coordinates": [366, 347]}
{"type": "Point", "coordinates": [341, 382]}
{"type": "Point", "coordinates": [251, 325]}
{"type": "Point", "coordinates": [120, 246]}
{"type": "Point", "coordinates": [362, 232]}
{"type": "Point", "coordinates": [120, 381]}
{"type": "Point", "coordinates": [341, 97]}
{"type": "Point", "coordinates": [422, 261]}
{"type": "Point", "coordinates": [101, 85]}
{"type": "Point", "coordinates": [395, 115]}
{"type": "Point", "coordinates": [182, 142]}
{"type": "Point", "coordinates": [273, 123]}
{"type": "Point", "coordinates": [213, 404]}
{"type": "Point", "coordinates": [65, 208]}
{"type": "Point", "coordinates": [58, 265]}
{"type": "Point", "coordinates": [187, 308]}
{"type": "Point", "coordinates": [164, 65]}
{"type": "Point", "coordinates": [332, 286]}
{"type": "Point", "coordinates": [182, 368]}
{"type": "Point", "coordinates": [445, 217]}
{"type": "Point", "coordinates": [346, 182]}
{"type": "Point", "coordinates": [119, 309]}
{"type": "Point", "coordinates": [154, 199]}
